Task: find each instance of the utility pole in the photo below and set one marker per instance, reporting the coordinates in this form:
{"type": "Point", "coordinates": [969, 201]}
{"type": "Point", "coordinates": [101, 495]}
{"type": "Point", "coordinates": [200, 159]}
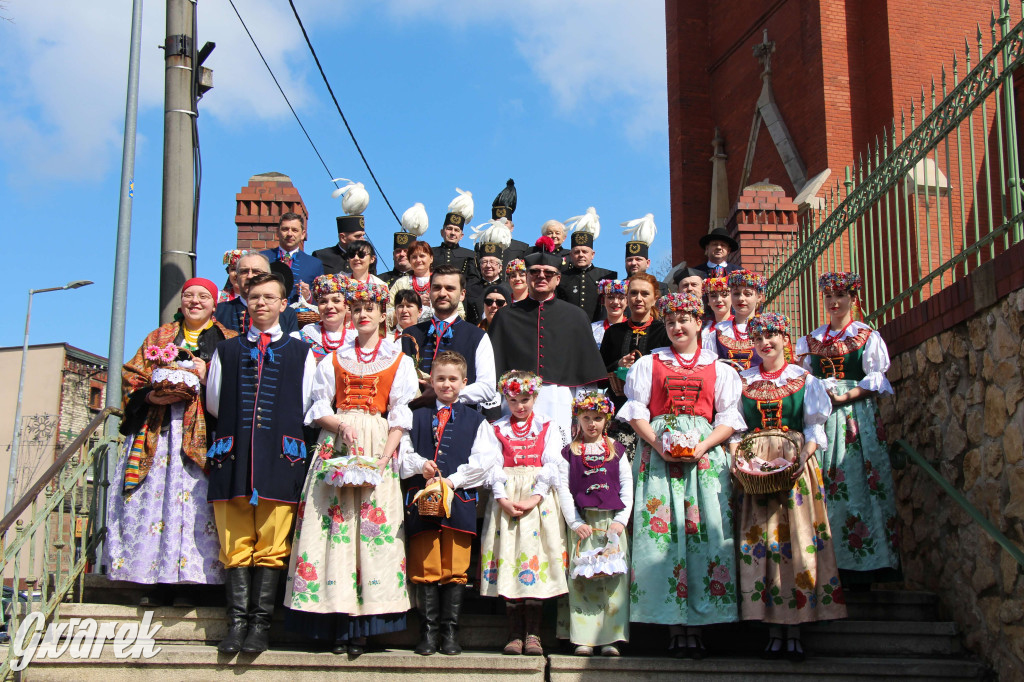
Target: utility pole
{"type": "Point", "coordinates": [177, 258]}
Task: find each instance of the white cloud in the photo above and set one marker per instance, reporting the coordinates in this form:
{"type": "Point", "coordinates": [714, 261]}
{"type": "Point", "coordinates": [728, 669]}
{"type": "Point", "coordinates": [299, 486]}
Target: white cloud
{"type": "Point", "coordinates": [65, 65]}
{"type": "Point", "coordinates": [68, 62]}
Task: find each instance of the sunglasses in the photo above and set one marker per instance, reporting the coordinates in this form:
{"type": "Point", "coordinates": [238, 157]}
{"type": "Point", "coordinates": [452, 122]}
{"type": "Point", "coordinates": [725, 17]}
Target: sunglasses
{"type": "Point", "coordinates": [547, 274]}
{"type": "Point", "coordinates": [495, 301]}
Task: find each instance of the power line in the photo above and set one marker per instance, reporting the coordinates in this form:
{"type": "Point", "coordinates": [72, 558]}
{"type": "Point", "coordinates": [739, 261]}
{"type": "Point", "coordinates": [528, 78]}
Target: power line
{"type": "Point", "coordinates": [340, 112]}
{"type": "Point", "coordinates": [281, 90]}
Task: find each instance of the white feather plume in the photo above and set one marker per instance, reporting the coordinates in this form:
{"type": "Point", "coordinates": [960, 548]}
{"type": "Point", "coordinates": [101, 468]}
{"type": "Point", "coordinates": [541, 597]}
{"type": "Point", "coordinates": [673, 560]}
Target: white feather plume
{"type": "Point", "coordinates": [642, 229]}
{"type": "Point", "coordinates": [493, 232]}
{"type": "Point", "coordinates": [356, 197]}
{"type": "Point", "coordinates": [588, 222]}
{"type": "Point", "coordinates": [415, 220]}
{"type": "Point", "coordinates": [462, 204]}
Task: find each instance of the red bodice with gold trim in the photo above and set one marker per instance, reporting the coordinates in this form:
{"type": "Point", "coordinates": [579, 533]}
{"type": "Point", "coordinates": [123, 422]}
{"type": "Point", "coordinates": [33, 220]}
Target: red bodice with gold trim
{"type": "Point", "coordinates": [523, 452]}
{"type": "Point", "coordinates": [677, 391]}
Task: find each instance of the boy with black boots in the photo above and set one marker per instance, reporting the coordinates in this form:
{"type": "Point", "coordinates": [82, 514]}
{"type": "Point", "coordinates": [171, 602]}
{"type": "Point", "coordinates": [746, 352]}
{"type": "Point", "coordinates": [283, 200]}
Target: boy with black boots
{"type": "Point", "coordinates": [258, 385]}
{"type": "Point", "coordinates": [453, 443]}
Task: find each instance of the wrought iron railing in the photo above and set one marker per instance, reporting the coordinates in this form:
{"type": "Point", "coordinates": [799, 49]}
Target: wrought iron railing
{"type": "Point", "coordinates": [56, 527]}
{"type": "Point", "coordinates": [920, 209]}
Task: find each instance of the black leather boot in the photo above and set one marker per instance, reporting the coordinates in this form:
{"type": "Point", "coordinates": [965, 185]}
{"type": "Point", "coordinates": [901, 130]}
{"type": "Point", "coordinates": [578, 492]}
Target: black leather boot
{"type": "Point", "coordinates": [261, 609]}
{"type": "Point", "coordinates": [236, 583]}
{"type": "Point", "coordinates": [451, 607]}
{"type": "Point", "coordinates": [429, 602]}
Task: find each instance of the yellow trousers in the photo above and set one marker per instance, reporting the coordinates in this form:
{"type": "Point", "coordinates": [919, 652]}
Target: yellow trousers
{"type": "Point", "coordinates": [253, 536]}
{"type": "Point", "coordinates": [439, 556]}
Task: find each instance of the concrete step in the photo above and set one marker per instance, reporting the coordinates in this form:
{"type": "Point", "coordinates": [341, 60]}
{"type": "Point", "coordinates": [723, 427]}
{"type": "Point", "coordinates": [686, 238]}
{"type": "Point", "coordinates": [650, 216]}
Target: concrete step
{"type": "Point", "coordinates": [199, 662]}
{"type": "Point", "coordinates": [752, 669]}
{"type": "Point", "coordinates": [892, 605]}
{"type": "Point", "coordinates": [481, 631]}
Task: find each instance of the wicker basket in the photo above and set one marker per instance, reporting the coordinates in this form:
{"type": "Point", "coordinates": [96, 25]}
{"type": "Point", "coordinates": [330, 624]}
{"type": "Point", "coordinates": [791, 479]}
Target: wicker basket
{"type": "Point", "coordinates": [420, 374]}
{"type": "Point", "coordinates": [183, 392]}
{"type": "Point", "coordinates": [606, 562]}
{"type": "Point", "coordinates": [768, 484]}
{"type": "Point", "coordinates": [430, 504]}
{"type": "Point", "coordinates": [305, 317]}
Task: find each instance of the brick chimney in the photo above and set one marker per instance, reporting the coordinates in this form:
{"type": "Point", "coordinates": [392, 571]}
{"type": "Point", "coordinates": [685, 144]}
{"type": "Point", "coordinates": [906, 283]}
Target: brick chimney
{"type": "Point", "coordinates": [763, 221]}
{"type": "Point", "coordinates": [259, 207]}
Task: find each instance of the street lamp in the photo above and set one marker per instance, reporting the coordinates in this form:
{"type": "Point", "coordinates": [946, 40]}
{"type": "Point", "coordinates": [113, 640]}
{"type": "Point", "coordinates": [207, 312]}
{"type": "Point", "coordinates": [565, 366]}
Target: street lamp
{"type": "Point", "coordinates": [12, 476]}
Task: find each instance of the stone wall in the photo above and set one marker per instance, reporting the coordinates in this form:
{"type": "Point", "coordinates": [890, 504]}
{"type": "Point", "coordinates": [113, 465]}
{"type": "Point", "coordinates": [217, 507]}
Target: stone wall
{"type": "Point", "coordinates": [960, 402]}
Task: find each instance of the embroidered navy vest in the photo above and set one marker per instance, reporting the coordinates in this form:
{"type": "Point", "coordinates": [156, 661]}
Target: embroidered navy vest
{"type": "Point", "coordinates": [258, 450]}
{"type": "Point", "coordinates": [456, 443]}
{"type": "Point", "coordinates": [464, 340]}
{"type": "Point", "coordinates": [595, 487]}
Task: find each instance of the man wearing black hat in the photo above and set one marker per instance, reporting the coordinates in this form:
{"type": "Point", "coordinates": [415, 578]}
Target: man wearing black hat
{"type": "Point", "coordinates": [400, 258]}
{"type": "Point", "coordinates": [638, 259]}
{"type": "Point", "coordinates": [350, 228]}
{"type": "Point", "coordinates": [581, 277]}
{"type": "Point", "coordinates": [503, 206]}
{"type": "Point", "coordinates": [491, 270]}
{"type": "Point", "coordinates": [689, 280]}
{"type": "Point", "coordinates": [717, 246]}
{"type": "Point", "coordinates": [448, 252]}
{"type": "Point", "coordinates": [234, 314]}
{"type": "Point", "coordinates": [542, 334]}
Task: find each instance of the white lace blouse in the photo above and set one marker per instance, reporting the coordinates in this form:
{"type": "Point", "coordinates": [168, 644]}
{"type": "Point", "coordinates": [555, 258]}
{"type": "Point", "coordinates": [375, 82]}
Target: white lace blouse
{"type": "Point", "coordinates": [874, 360]}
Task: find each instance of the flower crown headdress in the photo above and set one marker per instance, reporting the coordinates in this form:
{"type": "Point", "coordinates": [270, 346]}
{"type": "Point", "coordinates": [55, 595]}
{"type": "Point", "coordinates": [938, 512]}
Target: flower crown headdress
{"type": "Point", "coordinates": [685, 302]}
{"type": "Point", "coordinates": [592, 401]}
{"type": "Point", "coordinates": [518, 383]}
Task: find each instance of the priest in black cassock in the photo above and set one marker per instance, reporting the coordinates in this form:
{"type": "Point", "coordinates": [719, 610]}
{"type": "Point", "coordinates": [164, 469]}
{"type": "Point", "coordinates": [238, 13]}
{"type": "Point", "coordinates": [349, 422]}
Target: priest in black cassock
{"type": "Point", "coordinates": [548, 336]}
{"type": "Point", "coordinates": [503, 206]}
{"type": "Point", "coordinates": [581, 277]}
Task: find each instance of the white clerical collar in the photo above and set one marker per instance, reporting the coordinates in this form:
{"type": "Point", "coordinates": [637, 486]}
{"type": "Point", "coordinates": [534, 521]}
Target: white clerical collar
{"type": "Point", "coordinates": [254, 334]}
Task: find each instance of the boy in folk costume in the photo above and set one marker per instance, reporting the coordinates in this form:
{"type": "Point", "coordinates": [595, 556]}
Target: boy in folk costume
{"type": "Point", "coordinates": [258, 458]}
{"type": "Point", "coordinates": [453, 444]}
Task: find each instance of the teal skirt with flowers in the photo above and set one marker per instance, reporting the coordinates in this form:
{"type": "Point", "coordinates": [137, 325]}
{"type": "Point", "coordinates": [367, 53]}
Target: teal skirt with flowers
{"type": "Point", "coordinates": [859, 490]}
{"type": "Point", "coordinates": [683, 562]}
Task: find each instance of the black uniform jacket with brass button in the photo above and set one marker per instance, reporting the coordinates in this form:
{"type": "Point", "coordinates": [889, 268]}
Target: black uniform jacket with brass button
{"type": "Point", "coordinates": [258, 450]}
{"type": "Point", "coordinates": [579, 287]}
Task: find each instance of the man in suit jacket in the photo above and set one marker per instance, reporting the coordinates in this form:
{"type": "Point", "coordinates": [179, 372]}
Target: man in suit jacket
{"type": "Point", "coordinates": [581, 277]}
{"type": "Point", "coordinates": [335, 259]}
{"type": "Point", "coordinates": [717, 246]}
{"type": "Point", "coordinates": [291, 234]}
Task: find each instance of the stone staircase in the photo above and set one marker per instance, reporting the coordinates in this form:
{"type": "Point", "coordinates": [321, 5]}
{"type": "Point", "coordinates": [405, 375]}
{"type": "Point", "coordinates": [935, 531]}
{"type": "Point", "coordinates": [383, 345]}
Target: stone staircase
{"type": "Point", "coordinates": [890, 635]}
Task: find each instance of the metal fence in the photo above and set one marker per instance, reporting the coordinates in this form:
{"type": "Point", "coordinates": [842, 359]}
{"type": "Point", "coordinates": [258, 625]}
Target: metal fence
{"type": "Point", "coordinates": [50, 536]}
{"type": "Point", "coordinates": [939, 192]}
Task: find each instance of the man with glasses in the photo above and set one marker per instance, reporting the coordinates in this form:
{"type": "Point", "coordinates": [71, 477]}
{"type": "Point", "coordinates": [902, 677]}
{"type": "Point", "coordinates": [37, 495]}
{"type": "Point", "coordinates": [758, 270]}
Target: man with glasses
{"type": "Point", "coordinates": [234, 314]}
{"type": "Point", "coordinates": [291, 235]}
{"type": "Point", "coordinates": [447, 331]}
{"type": "Point", "coordinates": [491, 268]}
{"type": "Point", "coordinates": [548, 336]}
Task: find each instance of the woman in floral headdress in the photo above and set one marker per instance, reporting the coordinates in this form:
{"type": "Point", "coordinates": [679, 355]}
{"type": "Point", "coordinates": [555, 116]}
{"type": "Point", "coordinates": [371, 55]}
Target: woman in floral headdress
{"type": "Point", "coordinates": [515, 272]}
{"type": "Point", "coordinates": [719, 306]}
{"type": "Point", "coordinates": [683, 404]}
{"type": "Point", "coordinates": [333, 330]}
{"type": "Point", "coordinates": [613, 298]}
{"type": "Point", "coordinates": [788, 571]}
{"type": "Point", "coordinates": [230, 291]}
{"type": "Point", "coordinates": [851, 359]}
{"type": "Point", "coordinates": [522, 547]}
{"type": "Point", "coordinates": [747, 296]}
{"type": "Point", "coordinates": [347, 570]}
{"type": "Point", "coordinates": [161, 527]}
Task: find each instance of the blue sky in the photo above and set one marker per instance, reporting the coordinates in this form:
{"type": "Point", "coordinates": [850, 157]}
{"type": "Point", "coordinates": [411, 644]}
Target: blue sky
{"type": "Point", "coordinates": [567, 98]}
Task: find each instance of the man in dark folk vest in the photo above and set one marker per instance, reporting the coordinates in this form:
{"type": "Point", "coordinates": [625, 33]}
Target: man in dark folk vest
{"type": "Point", "coordinates": [258, 386]}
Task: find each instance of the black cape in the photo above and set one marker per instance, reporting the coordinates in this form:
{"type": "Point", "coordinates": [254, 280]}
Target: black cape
{"type": "Point", "coordinates": [552, 339]}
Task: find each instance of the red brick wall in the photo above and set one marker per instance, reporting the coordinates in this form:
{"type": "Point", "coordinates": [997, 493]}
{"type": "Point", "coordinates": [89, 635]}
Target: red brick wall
{"type": "Point", "coordinates": [259, 206]}
{"type": "Point", "coordinates": [762, 223]}
{"type": "Point", "coordinates": [841, 72]}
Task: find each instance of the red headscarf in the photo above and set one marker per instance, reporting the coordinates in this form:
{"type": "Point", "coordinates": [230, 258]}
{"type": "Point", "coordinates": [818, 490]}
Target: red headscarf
{"type": "Point", "coordinates": [204, 283]}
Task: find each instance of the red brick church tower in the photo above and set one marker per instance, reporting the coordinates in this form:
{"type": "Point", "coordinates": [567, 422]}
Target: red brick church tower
{"type": "Point", "coordinates": [789, 92]}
